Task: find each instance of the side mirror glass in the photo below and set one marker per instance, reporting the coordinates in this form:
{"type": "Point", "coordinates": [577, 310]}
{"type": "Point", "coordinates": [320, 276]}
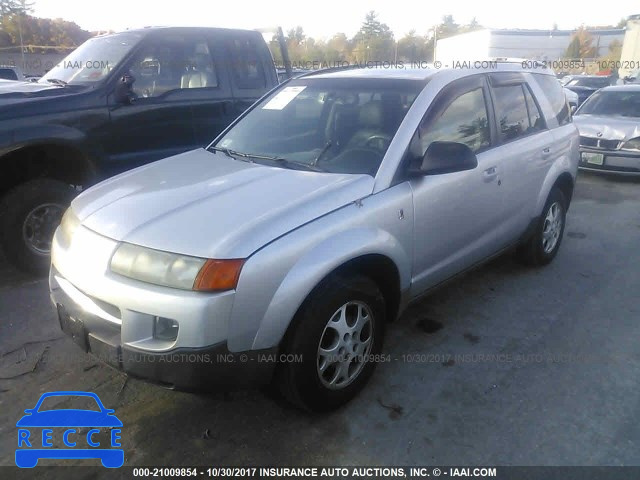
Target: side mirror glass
{"type": "Point", "coordinates": [446, 157]}
{"type": "Point", "coordinates": [124, 93]}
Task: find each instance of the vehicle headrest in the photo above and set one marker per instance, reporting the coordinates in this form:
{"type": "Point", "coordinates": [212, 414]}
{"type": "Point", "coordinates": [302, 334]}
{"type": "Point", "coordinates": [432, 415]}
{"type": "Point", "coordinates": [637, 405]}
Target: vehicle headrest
{"type": "Point", "coordinates": [370, 114]}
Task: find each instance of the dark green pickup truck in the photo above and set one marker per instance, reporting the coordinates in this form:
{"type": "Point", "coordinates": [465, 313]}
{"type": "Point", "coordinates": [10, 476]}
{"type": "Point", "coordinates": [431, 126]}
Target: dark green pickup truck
{"type": "Point", "coordinates": [117, 102]}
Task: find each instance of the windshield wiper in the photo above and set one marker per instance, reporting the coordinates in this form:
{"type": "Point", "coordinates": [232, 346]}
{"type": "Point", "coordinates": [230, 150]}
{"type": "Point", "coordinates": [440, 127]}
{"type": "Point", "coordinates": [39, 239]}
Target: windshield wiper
{"type": "Point", "coordinates": [287, 163]}
{"type": "Point", "coordinates": [57, 81]}
{"type": "Point", "coordinates": [232, 154]}
{"type": "Point", "coordinates": [322, 152]}
{"type": "Point", "coordinates": [247, 157]}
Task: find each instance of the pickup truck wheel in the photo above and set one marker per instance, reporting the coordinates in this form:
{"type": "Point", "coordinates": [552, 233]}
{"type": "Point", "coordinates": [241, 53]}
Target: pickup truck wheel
{"type": "Point", "coordinates": [544, 244]}
{"type": "Point", "coordinates": [337, 333]}
{"type": "Point", "coordinates": [29, 215]}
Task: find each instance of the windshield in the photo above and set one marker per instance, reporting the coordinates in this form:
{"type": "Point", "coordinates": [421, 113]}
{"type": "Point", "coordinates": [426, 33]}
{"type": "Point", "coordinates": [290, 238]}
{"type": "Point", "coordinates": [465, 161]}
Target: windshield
{"type": "Point", "coordinates": [593, 82]}
{"type": "Point", "coordinates": [626, 104]}
{"type": "Point", "coordinates": [93, 60]}
{"type": "Point", "coordinates": [340, 125]}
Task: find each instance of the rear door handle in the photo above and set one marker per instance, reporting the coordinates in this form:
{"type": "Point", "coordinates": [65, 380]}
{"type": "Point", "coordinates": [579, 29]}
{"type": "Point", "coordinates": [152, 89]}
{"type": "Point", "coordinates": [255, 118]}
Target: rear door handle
{"type": "Point", "coordinates": [546, 152]}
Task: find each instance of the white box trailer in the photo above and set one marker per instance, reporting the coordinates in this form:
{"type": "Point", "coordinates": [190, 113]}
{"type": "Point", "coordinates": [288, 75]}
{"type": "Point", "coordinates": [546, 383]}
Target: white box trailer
{"type": "Point", "coordinates": [527, 44]}
{"type": "Point", "coordinates": [630, 57]}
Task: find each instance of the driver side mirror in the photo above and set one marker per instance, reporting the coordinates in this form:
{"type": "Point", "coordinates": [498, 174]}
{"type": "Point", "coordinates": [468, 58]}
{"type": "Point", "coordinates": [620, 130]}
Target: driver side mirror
{"type": "Point", "coordinates": [123, 93]}
{"type": "Point", "coordinates": [446, 157]}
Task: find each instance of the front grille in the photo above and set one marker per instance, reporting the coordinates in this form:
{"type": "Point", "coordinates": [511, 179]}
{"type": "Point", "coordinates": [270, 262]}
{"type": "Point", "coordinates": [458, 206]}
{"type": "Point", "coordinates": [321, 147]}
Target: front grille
{"type": "Point", "coordinates": [600, 143]}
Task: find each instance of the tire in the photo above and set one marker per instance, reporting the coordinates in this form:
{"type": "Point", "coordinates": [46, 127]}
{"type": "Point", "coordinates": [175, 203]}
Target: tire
{"type": "Point", "coordinates": [540, 249]}
{"type": "Point", "coordinates": [29, 215]}
{"type": "Point", "coordinates": [301, 382]}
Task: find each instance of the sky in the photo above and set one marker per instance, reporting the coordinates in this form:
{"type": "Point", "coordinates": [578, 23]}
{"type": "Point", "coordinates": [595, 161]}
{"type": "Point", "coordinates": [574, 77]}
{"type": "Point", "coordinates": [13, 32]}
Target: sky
{"type": "Point", "coordinates": [324, 18]}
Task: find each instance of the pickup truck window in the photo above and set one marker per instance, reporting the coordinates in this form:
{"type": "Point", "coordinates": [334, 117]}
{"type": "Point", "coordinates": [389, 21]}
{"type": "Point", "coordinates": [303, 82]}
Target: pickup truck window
{"type": "Point", "coordinates": [341, 126]}
{"type": "Point", "coordinates": [8, 74]}
{"type": "Point", "coordinates": [247, 68]}
{"type": "Point", "coordinates": [174, 63]}
{"type": "Point", "coordinates": [93, 60]}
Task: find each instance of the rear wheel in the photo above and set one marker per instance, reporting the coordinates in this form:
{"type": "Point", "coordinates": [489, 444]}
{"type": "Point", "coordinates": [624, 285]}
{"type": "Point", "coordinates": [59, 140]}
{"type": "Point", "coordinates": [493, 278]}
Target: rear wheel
{"type": "Point", "coordinates": [336, 333]}
{"type": "Point", "coordinates": [544, 244]}
{"type": "Point", "coordinates": [29, 215]}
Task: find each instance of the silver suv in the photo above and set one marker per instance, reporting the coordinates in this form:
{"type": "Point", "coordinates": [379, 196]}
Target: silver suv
{"type": "Point", "coordinates": [281, 251]}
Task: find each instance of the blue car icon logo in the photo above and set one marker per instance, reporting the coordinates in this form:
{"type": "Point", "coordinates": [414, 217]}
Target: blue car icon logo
{"type": "Point", "coordinates": [68, 422]}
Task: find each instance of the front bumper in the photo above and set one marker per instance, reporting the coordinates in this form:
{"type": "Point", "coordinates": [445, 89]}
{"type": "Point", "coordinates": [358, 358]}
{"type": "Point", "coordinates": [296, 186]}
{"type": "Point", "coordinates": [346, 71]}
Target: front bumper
{"type": "Point", "coordinates": [202, 368]}
{"type": "Point", "coordinates": [614, 161]}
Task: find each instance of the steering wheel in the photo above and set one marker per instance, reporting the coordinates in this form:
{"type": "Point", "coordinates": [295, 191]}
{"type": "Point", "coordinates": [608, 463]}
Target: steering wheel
{"type": "Point", "coordinates": [377, 142]}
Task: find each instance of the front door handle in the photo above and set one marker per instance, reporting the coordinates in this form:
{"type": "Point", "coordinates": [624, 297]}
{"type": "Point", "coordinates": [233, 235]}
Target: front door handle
{"type": "Point", "coordinates": [490, 173]}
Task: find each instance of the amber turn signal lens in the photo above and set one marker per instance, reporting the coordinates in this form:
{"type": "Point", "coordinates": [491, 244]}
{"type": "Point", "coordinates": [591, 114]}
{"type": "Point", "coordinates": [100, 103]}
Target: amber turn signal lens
{"type": "Point", "coordinates": [217, 275]}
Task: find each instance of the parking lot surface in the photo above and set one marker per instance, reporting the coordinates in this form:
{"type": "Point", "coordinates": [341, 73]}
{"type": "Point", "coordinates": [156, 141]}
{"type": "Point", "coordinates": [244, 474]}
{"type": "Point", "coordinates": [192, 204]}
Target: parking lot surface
{"type": "Point", "coordinates": [504, 366]}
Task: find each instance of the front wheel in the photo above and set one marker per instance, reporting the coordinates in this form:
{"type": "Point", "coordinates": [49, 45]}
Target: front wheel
{"type": "Point", "coordinates": [29, 215]}
{"type": "Point", "coordinates": [544, 244]}
{"type": "Point", "coordinates": [336, 335]}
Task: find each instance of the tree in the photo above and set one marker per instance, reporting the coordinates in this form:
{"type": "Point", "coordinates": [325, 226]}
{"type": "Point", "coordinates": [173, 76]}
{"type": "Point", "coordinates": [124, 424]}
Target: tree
{"type": "Point", "coordinates": [581, 45]}
{"type": "Point", "coordinates": [413, 48]}
{"type": "Point", "coordinates": [10, 7]}
{"type": "Point", "coordinates": [38, 32]}
{"type": "Point", "coordinates": [472, 26]}
{"type": "Point", "coordinates": [374, 41]}
{"type": "Point", "coordinates": [615, 51]}
{"type": "Point", "coordinates": [338, 48]}
{"type": "Point", "coordinates": [296, 36]}
{"type": "Point", "coordinates": [448, 27]}
{"type": "Point", "coordinates": [573, 50]}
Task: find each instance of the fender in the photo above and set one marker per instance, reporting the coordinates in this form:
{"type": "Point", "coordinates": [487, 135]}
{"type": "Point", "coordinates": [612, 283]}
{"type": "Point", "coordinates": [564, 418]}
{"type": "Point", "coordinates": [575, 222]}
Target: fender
{"type": "Point", "coordinates": [276, 279]}
{"type": "Point", "coordinates": [567, 162]}
{"type": "Point", "coordinates": [316, 265]}
{"type": "Point", "coordinates": [47, 133]}
{"type": "Point", "coordinates": [50, 134]}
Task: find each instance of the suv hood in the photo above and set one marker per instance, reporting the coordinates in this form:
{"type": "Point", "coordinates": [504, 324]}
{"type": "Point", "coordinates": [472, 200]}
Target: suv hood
{"type": "Point", "coordinates": [607, 127]}
{"type": "Point", "coordinates": [208, 205]}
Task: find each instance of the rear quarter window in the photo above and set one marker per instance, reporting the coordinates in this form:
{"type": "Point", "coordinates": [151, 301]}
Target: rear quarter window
{"type": "Point", "coordinates": [553, 90]}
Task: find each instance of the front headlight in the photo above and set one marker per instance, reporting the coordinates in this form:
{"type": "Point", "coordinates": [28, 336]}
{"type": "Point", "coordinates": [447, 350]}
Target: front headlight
{"type": "Point", "coordinates": [68, 227]}
{"type": "Point", "coordinates": [633, 144]}
{"type": "Point", "coordinates": [174, 270]}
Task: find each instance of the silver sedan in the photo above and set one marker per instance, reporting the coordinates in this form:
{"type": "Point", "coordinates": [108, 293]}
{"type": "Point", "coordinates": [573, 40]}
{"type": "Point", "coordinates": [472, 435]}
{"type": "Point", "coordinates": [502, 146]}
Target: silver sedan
{"type": "Point", "coordinates": [609, 126]}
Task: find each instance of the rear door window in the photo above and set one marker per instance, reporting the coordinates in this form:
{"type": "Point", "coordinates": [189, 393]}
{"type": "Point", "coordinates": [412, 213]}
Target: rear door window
{"type": "Point", "coordinates": [511, 112]}
{"type": "Point", "coordinates": [517, 112]}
